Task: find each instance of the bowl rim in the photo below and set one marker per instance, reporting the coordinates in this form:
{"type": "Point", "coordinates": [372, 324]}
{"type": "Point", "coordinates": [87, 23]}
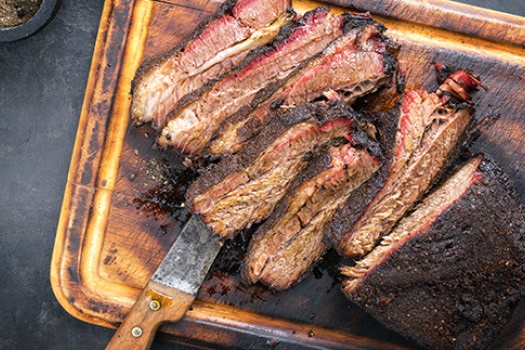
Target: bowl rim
{"type": "Point", "coordinates": [44, 14]}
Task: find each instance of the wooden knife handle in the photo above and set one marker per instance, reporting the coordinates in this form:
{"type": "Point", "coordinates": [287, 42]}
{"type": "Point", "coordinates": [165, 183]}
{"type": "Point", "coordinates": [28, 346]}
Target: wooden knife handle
{"type": "Point", "coordinates": [157, 304]}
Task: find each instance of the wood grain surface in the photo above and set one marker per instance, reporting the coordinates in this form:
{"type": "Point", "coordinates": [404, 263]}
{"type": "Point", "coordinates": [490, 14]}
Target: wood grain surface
{"type": "Point", "coordinates": [122, 205]}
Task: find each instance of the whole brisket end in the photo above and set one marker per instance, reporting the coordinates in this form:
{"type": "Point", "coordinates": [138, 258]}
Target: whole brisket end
{"type": "Point", "coordinates": [354, 64]}
{"type": "Point", "coordinates": [456, 281]}
{"type": "Point", "coordinates": [215, 46]}
{"type": "Point", "coordinates": [244, 189]}
{"type": "Point", "coordinates": [282, 252]}
{"type": "Point", "coordinates": [194, 125]}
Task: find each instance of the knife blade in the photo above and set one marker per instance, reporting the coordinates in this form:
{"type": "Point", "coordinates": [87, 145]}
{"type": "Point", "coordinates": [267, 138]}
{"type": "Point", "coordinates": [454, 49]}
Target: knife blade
{"type": "Point", "coordinates": [173, 287]}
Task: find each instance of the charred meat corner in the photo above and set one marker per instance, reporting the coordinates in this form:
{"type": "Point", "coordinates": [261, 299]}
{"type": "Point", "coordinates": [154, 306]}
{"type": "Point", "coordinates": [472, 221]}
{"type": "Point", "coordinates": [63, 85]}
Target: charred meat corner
{"type": "Point", "coordinates": [431, 128]}
{"type": "Point", "coordinates": [216, 46]}
{"type": "Point", "coordinates": [450, 274]}
{"type": "Point", "coordinates": [244, 189]}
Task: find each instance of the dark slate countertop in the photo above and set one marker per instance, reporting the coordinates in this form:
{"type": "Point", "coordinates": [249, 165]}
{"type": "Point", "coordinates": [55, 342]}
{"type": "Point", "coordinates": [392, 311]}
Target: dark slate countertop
{"type": "Point", "coordinates": [42, 84]}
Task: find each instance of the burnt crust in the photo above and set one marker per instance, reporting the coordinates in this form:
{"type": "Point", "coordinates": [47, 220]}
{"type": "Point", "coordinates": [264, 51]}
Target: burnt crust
{"type": "Point", "coordinates": [390, 63]}
{"type": "Point", "coordinates": [352, 20]}
{"type": "Point", "coordinates": [455, 284]}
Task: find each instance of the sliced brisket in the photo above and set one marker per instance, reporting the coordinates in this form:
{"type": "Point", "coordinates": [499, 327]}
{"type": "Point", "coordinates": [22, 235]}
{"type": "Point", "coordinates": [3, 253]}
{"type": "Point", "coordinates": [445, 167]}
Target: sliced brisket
{"type": "Point", "coordinates": [425, 213]}
{"type": "Point", "coordinates": [354, 64]}
{"type": "Point", "coordinates": [429, 132]}
{"type": "Point", "coordinates": [194, 125]}
{"type": "Point", "coordinates": [216, 45]}
{"type": "Point", "coordinates": [287, 245]}
{"type": "Point", "coordinates": [242, 190]}
{"type": "Point", "coordinates": [450, 274]}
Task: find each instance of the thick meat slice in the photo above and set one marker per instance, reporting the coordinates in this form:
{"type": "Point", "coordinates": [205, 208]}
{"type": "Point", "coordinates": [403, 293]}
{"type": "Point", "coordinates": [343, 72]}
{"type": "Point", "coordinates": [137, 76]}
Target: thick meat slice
{"type": "Point", "coordinates": [386, 126]}
{"type": "Point", "coordinates": [194, 125]}
{"type": "Point", "coordinates": [429, 133]}
{"type": "Point", "coordinates": [450, 274]}
{"type": "Point", "coordinates": [216, 46]}
{"type": "Point", "coordinates": [244, 189]}
{"type": "Point", "coordinates": [284, 250]}
{"type": "Point", "coordinates": [354, 64]}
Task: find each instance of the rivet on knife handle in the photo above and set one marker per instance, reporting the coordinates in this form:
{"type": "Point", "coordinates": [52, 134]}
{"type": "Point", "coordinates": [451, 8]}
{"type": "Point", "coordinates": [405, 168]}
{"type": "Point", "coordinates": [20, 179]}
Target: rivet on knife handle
{"type": "Point", "coordinates": [172, 289]}
{"type": "Point", "coordinates": [139, 328]}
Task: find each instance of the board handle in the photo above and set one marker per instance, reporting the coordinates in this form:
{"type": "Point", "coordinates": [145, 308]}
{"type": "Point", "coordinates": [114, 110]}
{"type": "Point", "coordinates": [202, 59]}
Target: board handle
{"type": "Point", "coordinates": [157, 304]}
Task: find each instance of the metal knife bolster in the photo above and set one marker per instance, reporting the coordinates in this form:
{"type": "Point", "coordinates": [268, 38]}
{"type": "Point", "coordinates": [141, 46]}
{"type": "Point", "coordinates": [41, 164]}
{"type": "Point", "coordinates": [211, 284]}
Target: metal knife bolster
{"type": "Point", "coordinates": [187, 262]}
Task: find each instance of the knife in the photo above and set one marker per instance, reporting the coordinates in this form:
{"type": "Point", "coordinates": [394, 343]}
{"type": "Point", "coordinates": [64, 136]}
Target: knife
{"type": "Point", "coordinates": [172, 289]}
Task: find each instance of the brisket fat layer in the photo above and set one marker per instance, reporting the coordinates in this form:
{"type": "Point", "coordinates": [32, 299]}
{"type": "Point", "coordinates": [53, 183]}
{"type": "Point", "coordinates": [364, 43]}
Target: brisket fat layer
{"type": "Point", "coordinates": [449, 277]}
{"type": "Point", "coordinates": [244, 189]}
{"type": "Point", "coordinates": [288, 244]}
{"type": "Point", "coordinates": [354, 64]}
{"type": "Point", "coordinates": [194, 125]}
{"type": "Point", "coordinates": [216, 46]}
{"type": "Point", "coordinates": [429, 132]}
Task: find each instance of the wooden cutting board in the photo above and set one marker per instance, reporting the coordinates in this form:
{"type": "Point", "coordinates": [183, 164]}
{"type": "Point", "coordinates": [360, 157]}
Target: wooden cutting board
{"type": "Point", "coordinates": [122, 205]}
